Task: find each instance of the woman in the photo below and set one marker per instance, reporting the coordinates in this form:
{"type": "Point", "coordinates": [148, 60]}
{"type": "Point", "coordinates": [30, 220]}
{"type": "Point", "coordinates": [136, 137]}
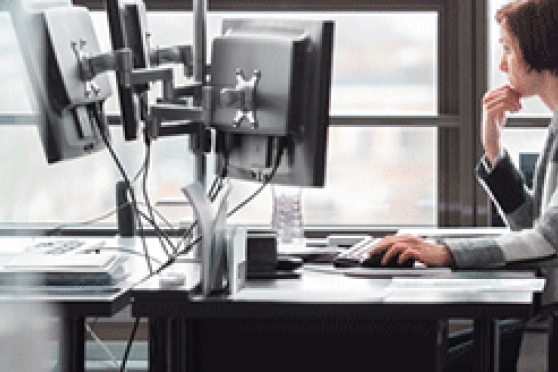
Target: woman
{"type": "Point", "coordinates": [529, 38]}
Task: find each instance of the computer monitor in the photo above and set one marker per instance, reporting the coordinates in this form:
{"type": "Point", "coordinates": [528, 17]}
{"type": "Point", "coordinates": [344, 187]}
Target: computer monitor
{"type": "Point", "coordinates": [127, 25]}
{"type": "Point", "coordinates": [70, 110]}
{"type": "Point", "coordinates": [271, 81]}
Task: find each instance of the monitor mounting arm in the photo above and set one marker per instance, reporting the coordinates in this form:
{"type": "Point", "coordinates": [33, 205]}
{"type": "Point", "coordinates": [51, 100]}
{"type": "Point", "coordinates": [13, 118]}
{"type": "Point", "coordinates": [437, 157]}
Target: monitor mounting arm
{"type": "Point", "coordinates": [174, 54]}
{"type": "Point", "coordinates": [91, 66]}
{"type": "Point", "coordinates": [120, 61]}
{"type": "Point", "coordinates": [185, 120]}
{"type": "Point", "coordinates": [181, 54]}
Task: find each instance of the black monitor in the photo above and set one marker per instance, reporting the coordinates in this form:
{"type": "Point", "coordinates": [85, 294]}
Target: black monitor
{"type": "Point", "coordinates": [71, 115]}
{"type": "Point", "coordinates": [127, 26]}
{"type": "Point", "coordinates": [285, 66]}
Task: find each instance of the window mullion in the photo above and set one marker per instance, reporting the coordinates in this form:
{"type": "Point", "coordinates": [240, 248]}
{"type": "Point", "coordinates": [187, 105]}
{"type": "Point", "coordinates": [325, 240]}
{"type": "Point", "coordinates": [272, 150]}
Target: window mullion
{"type": "Point", "coordinates": [441, 121]}
{"type": "Point", "coordinates": [288, 5]}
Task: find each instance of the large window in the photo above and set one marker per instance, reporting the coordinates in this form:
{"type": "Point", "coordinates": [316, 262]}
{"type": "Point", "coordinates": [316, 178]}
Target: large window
{"type": "Point", "coordinates": [385, 64]}
{"type": "Point", "coordinates": [13, 78]}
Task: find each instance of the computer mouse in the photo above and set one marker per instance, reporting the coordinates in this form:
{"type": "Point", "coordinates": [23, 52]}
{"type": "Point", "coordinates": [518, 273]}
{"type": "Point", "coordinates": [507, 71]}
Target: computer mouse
{"type": "Point", "coordinates": [375, 261]}
{"type": "Point", "coordinates": [288, 263]}
{"type": "Point", "coordinates": [171, 279]}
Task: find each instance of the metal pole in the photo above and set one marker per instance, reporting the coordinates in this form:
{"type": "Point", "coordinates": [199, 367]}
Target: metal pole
{"type": "Point", "coordinates": [198, 139]}
{"type": "Point", "coordinates": [200, 15]}
{"type": "Point", "coordinates": [200, 10]}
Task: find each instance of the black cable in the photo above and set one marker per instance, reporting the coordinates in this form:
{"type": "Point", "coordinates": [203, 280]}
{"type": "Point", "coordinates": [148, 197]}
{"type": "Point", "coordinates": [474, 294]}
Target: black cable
{"type": "Point", "coordinates": [141, 170]}
{"type": "Point", "coordinates": [241, 205]}
{"type": "Point", "coordinates": [146, 194]}
{"type": "Point", "coordinates": [214, 190]}
{"type": "Point", "coordinates": [129, 345]}
{"type": "Point", "coordinates": [212, 194]}
{"type": "Point", "coordinates": [57, 229]}
{"type": "Point", "coordinates": [267, 180]}
{"type": "Point", "coordinates": [216, 187]}
{"type": "Point", "coordinates": [233, 211]}
{"type": "Point", "coordinates": [216, 193]}
{"type": "Point", "coordinates": [129, 251]}
{"type": "Point", "coordinates": [173, 259]}
{"type": "Point", "coordinates": [162, 217]}
{"type": "Point", "coordinates": [160, 232]}
{"type": "Point", "coordinates": [145, 176]}
{"type": "Point", "coordinates": [247, 200]}
{"type": "Point", "coordinates": [101, 124]}
{"type": "Point", "coordinates": [188, 232]}
{"type": "Point", "coordinates": [189, 247]}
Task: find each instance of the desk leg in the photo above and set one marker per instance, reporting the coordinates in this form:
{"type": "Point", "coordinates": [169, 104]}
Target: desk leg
{"type": "Point", "coordinates": [553, 343]}
{"type": "Point", "coordinates": [71, 349]}
{"type": "Point", "coordinates": [486, 345]}
{"type": "Point", "coordinates": [190, 354]}
{"type": "Point", "coordinates": [158, 344]}
{"type": "Point", "coordinates": [167, 345]}
{"type": "Point", "coordinates": [177, 347]}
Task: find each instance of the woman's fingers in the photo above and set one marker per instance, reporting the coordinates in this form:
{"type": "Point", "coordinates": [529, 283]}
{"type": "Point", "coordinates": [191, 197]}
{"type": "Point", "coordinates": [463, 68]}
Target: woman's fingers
{"type": "Point", "coordinates": [395, 250]}
{"type": "Point", "coordinates": [502, 101]}
{"type": "Point", "coordinates": [405, 248]}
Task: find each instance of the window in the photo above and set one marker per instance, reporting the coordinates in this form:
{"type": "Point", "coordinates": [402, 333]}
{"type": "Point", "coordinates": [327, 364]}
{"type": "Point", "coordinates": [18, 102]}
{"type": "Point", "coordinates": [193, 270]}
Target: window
{"type": "Point", "coordinates": [393, 73]}
{"type": "Point", "coordinates": [13, 76]}
{"type": "Point", "coordinates": [377, 176]}
{"type": "Point", "coordinates": [523, 140]}
{"type": "Point", "coordinates": [402, 111]}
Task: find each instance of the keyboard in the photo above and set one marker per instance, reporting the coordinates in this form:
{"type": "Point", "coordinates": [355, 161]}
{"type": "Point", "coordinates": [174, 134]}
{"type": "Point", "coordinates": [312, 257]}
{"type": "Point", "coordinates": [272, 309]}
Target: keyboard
{"type": "Point", "coordinates": [102, 269]}
{"type": "Point", "coordinates": [356, 254]}
{"type": "Point", "coordinates": [64, 246]}
{"type": "Point", "coordinates": [64, 261]}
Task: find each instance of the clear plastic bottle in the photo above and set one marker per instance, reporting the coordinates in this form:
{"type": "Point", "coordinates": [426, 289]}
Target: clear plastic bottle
{"type": "Point", "coordinates": [287, 215]}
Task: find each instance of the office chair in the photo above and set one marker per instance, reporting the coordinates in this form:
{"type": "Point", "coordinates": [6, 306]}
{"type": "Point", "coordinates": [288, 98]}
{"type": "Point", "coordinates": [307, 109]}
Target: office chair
{"type": "Point", "coordinates": [460, 347]}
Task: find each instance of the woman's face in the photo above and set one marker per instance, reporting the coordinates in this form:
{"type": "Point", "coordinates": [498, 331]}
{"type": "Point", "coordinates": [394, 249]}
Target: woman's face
{"type": "Point", "coordinates": [513, 65]}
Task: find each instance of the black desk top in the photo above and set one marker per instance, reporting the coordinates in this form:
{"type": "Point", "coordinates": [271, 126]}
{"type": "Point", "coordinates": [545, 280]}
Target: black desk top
{"type": "Point", "coordinates": [320, 294]}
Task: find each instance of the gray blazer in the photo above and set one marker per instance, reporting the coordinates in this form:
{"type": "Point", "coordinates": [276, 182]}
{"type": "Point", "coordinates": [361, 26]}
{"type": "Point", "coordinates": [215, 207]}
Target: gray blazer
{"type": "Point", "coordinates": [532, 215]}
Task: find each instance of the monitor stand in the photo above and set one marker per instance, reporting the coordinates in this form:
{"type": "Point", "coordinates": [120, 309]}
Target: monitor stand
{"type": "Point", "coordinates": [212, 227]}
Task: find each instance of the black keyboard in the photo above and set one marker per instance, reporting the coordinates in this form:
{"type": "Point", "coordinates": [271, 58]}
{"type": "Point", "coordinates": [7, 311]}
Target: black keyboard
{"type": "Point", "coordinates": [356, 254]}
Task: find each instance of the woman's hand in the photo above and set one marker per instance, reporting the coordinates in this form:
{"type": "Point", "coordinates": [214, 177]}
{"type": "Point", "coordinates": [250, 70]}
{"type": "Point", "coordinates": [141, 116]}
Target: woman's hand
{"type": "Point", "coordinates": [495, 104]}
{"type": "Point", "coordinates": [413, 248]}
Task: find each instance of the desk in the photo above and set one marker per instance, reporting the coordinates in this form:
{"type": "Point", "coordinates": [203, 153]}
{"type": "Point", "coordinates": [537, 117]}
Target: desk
{"type": "Point", "coordinates": [73, 308]}
{"type": "Point", "coordinates": [306, 315]}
